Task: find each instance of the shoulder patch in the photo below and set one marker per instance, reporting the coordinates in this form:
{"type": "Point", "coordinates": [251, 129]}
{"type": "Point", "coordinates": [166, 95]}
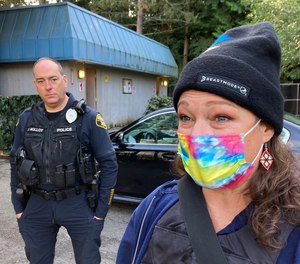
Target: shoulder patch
{"type": "Point", "coordinates": [100, 122]}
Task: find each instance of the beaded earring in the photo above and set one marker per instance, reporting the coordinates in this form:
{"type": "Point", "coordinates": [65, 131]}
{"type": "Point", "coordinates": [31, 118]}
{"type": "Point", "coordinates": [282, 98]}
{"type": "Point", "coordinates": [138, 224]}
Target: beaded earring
{"type": "Point", "coordinates": [266, 158]}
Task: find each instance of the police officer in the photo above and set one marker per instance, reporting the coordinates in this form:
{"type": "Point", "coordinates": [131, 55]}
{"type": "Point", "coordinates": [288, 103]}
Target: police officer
{"type": "Point", "coordinates": [63, 170]}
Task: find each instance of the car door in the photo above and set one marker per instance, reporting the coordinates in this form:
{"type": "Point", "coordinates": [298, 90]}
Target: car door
{"type": "Point", "coordinates": [145, 154]}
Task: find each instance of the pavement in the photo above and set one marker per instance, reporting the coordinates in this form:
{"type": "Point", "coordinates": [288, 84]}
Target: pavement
{"type": "Point", "coordinates": [12, 245]}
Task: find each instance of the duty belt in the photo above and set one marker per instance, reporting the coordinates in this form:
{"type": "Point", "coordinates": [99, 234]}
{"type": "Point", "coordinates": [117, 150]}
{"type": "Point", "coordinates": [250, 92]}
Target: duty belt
{"type": "Point", "coordinates": [59, 194]}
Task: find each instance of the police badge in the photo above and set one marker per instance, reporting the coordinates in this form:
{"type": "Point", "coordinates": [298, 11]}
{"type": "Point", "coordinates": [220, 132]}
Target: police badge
{"type": "Point", "coordinates": [100, 122]}
{"type": "Point", "coordinates": [71, 115]}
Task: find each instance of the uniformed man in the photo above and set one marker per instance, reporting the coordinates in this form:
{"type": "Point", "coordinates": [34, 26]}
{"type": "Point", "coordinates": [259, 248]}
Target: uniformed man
{"type": "Point", "coordinates": [63, 170]}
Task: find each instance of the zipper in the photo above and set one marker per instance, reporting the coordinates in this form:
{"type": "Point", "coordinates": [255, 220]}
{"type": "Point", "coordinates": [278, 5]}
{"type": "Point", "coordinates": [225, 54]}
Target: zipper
{"type": "Point", "coordinates": [141, 228]}
{"type": "Point", "coordinates": [60, 148]}
{"type": "Point", "coordinates": [48, 153]}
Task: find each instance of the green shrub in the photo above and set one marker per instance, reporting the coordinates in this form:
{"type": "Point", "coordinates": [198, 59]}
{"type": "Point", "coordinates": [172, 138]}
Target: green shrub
{"type": "Point", "coordinates": [158, 102]}
{"type": "Point", "coordinates": [10, 109]}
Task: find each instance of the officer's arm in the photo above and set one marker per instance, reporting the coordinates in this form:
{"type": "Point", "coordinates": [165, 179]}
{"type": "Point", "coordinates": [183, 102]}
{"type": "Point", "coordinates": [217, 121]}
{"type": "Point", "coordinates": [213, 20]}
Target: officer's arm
{"type": "Point", "coordinates": [14, 180]}
{"type": "Point", "coordinates": [108, 175]}
{"type": "Point", "coordinates": [104, 153]}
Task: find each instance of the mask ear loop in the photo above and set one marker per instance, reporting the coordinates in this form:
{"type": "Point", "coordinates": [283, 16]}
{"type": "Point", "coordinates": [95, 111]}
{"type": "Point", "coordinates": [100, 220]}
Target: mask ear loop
{"type": "Point", "coordinates": [257, 155]}
{"type": "Point", "coordinates": [252, 128]}
{"type": "Point", "coordinates": [247, 133]}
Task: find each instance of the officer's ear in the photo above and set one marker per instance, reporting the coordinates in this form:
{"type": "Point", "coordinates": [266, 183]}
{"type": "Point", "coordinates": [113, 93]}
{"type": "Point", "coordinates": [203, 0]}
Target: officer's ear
{"type": "Point", "coordinates": [65, 80]}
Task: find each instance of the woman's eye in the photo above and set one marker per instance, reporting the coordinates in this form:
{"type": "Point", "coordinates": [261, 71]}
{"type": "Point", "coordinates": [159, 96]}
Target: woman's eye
{"type": "Point", "coordinates": [184, 118]}
{"type": "Point", "coordinates": [221, 118]}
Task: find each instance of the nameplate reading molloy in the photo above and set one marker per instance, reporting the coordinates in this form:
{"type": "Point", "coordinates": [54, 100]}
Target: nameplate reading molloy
{"type": "Point", "coordinates": [35, 129]}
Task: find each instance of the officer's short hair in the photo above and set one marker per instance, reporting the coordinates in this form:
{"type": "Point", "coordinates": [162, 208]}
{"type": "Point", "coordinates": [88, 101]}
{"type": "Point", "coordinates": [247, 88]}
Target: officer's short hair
{"type": "Point", "coordinates": [60, 68]}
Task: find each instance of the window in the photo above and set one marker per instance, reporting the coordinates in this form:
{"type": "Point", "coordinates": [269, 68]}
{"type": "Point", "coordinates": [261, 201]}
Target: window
{"type": "Point", "coordinates": [159, 129]}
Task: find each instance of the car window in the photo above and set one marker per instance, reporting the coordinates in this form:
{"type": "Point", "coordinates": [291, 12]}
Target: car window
{"type": "Point", "coordinates": [159, 129]}
{"type": "Point", "coordinates": [285, 135]}
{"type": "Point", "coordinates": [292, 118]}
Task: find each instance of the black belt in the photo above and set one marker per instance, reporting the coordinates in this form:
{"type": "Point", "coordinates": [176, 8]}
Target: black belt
{"type": "Point", "coordinates": [58, 195]}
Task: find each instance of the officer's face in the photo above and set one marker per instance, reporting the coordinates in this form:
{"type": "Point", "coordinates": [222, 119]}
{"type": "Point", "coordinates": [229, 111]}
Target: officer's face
{"type": "Point", "coordinates": [51, 85]}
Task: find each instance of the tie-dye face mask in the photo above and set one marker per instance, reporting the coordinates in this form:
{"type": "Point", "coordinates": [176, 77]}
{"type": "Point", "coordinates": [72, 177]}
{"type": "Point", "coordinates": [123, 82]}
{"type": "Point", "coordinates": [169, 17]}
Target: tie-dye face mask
{"type": "Point", "coordinates": [215, 161]}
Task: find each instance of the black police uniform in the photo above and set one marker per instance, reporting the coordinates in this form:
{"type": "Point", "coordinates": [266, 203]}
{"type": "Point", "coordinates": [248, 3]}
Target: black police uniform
{"type": "Point", "coordinates": [52, 159]}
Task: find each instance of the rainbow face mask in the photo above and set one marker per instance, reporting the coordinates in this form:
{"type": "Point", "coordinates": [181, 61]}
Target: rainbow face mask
{"type": "Point", "coordinates": [215, 161]}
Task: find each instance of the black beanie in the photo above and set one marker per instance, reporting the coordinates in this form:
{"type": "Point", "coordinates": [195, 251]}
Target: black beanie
{"type": "Point", "coordinates": [243, 66]}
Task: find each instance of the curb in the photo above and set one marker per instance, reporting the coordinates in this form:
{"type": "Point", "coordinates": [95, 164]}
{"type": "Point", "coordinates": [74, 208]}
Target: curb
{"type": "Point", "coordinates": [3, 156]}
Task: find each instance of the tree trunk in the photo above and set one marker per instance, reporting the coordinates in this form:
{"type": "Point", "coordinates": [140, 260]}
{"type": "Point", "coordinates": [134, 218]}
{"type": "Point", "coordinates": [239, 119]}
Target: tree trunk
{"type": "Point", "coordinates": [185, 46]}
{"type": "Point", "coordinates": [139, 21]}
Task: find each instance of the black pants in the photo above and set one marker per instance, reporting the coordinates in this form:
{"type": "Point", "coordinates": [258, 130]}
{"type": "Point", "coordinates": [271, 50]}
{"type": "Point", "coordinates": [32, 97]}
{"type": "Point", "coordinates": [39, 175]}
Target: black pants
{"type": "Point", "coordinates": [42, 219]}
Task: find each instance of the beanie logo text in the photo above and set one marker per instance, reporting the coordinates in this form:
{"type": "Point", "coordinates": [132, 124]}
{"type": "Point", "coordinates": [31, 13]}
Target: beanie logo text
{"type": "Point", "coordinates": [226, 83]}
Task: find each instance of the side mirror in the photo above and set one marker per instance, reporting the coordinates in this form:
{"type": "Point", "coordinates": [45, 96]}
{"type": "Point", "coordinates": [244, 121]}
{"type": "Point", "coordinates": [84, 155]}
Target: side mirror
{"type": "Point", "coordinates": [119, 139]}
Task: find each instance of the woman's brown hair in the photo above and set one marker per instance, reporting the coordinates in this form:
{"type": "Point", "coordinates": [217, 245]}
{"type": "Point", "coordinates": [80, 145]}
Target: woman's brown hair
{"type": "Point", "coordinates": [276, 195]}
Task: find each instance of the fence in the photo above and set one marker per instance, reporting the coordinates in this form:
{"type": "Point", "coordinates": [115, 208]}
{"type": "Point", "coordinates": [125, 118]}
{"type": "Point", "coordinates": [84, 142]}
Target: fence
{"type": "Point", "coordinates": [291, 93]}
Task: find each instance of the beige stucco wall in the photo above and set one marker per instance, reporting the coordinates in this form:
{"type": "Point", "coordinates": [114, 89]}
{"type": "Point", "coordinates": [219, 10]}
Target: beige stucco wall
{"type": "Point", "coordinates": [102, 88]}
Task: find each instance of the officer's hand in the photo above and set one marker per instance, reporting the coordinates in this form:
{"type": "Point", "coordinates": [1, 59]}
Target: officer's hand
{"type": "Point", "coordinates": [18, 216]}
{"type": "Point", "coordinates": [98, 218]}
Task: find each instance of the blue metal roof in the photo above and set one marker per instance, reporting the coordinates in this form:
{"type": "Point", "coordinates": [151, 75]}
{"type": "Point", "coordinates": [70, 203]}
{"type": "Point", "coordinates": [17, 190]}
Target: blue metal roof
{"type": "Point", "coordinates": [68, 32]}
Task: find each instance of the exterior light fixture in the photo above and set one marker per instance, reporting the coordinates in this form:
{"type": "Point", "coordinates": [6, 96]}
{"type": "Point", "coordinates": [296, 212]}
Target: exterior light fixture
{"type": "Point", "coordinates": [164, 83]}
{"type": "Point", "coordinates": [81, 74]}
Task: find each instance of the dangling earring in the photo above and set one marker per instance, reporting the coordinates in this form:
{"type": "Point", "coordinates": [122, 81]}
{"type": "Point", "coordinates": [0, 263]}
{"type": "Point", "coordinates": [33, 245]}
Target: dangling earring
{"type": "Point", "coordinates": [266, 158]}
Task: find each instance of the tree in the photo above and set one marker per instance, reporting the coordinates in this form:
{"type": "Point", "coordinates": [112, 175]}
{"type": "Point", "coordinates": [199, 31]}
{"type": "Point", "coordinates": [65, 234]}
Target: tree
{"type": "Point", "coordinates": [189, 27]}
{"type": "Point", "coordinates": [120, 11]}
{"type": "Point", "coordinates": [284, 14]}
{"type": "Point", "coordinates": [11, 3]}
{"type": "Point", "coordinates": [82, 3]}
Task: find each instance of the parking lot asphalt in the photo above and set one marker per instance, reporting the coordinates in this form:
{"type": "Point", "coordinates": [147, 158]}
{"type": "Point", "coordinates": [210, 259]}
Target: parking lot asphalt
{"type": "Point", "coordinates": [12, 245]}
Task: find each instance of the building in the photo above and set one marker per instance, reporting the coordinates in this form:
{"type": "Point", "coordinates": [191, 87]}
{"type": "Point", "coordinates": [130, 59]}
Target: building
{"type": "Point", "coordinates": [121, 69]}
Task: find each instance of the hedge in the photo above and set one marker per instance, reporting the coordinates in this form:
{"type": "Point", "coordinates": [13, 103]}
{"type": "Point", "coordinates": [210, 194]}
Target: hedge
{"type": "Point", "coordinates": [10, 109]}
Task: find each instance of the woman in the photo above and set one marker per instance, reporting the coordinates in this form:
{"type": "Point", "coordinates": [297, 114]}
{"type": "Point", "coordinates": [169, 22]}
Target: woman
{"type": "Point", "coordinates": [230, 112]}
